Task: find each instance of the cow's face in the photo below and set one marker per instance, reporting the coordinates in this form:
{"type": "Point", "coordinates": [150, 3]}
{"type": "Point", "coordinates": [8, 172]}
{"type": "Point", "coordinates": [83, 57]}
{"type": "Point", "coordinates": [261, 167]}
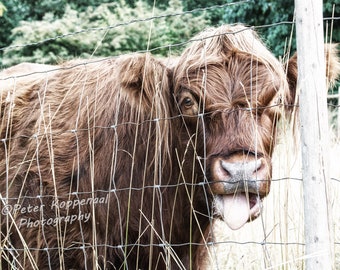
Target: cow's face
{"type": "Point", "coordinates": [231, 99]}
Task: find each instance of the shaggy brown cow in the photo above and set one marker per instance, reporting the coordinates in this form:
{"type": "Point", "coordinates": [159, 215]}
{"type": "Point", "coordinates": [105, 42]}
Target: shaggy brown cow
{"type": "Point", "coordinates": [123, 163]}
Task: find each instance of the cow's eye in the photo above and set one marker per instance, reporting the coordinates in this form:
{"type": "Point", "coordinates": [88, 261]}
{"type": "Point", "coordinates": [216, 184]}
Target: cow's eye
{"type": "Point", "coordinates": [187, 102]}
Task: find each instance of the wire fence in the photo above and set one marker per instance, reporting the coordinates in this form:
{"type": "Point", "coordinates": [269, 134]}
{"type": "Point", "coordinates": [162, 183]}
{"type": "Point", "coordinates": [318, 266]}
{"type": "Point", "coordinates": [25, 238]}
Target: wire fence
{"type": "Point", "coordinates": [43, 194]}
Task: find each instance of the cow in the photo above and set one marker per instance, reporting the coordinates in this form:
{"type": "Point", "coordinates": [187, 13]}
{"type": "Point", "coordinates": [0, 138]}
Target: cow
{"type": "Point", "coordinates": [125, 162]}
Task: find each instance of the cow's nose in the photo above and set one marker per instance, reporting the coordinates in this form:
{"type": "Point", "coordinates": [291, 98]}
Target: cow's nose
{"type": "Point", "coordinates": [242, 170]}
{"type": "Point", "coordinates": [240, 173]}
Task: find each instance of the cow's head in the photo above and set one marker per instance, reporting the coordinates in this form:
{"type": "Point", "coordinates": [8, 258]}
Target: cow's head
{"type": "Point", "coordinates": [230, 90]}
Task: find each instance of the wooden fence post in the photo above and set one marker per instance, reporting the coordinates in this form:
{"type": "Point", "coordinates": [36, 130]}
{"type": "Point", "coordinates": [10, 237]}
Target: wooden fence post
{"type": "Point", "coordinates": [314, 134]}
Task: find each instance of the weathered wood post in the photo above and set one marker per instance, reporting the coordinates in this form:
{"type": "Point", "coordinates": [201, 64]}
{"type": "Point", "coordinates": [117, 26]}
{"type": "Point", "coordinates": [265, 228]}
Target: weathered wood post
{"type": "Point", "coordinates": [314, 134]}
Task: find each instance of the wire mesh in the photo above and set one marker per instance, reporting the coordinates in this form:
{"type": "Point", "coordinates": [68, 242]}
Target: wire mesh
{"type": "Point", "coordinates": [99, 180]}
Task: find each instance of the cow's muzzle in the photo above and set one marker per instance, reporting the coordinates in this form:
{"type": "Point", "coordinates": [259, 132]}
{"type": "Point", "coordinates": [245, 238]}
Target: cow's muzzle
{"type": "Point", "coordinates": [239, 182]}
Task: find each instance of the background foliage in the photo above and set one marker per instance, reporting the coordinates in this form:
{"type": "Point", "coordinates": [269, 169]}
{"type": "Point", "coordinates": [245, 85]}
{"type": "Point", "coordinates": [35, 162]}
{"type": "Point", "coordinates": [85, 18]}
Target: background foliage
{"type": "Point", "coordinates": [103, 27]}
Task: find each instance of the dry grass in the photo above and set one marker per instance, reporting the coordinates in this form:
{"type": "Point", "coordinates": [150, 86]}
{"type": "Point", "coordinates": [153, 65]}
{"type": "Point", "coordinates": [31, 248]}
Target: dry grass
{"type": "Point", "coordinates": [276, 239]}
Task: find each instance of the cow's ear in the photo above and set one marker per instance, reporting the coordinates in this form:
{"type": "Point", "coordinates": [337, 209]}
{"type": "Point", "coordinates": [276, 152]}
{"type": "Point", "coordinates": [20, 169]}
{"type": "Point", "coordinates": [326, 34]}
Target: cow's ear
{"type": "Point", "coordinates": [332, 64]}
{"type": "Point", "coordinates": [144, 78]}
{"type": "Point", "coordinates": [292, 76]}
{"type": "Point", "coordinates": [332, 71]}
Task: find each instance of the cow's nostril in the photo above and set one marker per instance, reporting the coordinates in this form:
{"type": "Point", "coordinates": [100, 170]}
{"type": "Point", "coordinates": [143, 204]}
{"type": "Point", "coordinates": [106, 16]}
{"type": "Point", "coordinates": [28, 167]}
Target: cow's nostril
{"type": "Point", "coordinates": [227, 167]}
{"type": "Point", "coordinates": [258, 165]}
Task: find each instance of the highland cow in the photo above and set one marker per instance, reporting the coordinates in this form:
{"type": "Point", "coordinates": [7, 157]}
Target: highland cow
{"type": "Point", "coordinates": [124, 163]}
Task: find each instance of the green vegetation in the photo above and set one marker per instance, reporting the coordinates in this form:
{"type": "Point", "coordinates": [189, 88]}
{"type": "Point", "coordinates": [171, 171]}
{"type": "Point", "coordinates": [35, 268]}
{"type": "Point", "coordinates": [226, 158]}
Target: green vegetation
{"type": "Point", "coordinates": [50, 31]}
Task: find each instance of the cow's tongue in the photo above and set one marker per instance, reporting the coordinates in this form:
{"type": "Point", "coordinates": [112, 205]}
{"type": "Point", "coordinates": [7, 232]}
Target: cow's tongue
{"type": "Point", "coordinates": [236, 210]}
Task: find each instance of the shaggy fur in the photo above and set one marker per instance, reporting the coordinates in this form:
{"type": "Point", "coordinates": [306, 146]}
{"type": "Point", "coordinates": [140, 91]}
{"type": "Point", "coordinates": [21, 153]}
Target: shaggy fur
{"type": "Point", "coordinates": [239, 86]}
{"type": "Point", "coordinates": [91, 130]}
{"type": "Point", "coordinates": [332, 70]}
{"type": "Point", "coordinates": [131, 144]}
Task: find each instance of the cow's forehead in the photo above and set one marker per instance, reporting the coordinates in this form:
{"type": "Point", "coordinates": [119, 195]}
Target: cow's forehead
{"type": "Point", "coordinates": [227, 63]}
{"type": "Point", "coordinates": [239, 80]}
{"type": "Point", "coordinates": [214, 44]}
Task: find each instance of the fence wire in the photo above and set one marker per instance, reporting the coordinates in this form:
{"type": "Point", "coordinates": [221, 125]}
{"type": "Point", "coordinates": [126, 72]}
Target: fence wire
{"type": "Point", "coordinates": [283, 229]}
